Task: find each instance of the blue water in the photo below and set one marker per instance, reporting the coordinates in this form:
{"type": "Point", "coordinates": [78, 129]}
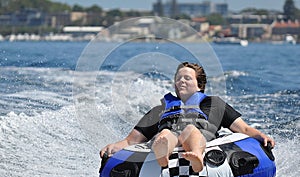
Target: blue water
{"type": "Point", "coordinates": [46, 132]}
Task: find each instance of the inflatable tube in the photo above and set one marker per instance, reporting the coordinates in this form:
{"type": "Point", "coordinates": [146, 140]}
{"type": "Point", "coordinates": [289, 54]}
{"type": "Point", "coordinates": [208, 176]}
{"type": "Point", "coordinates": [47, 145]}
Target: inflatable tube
{"type": "Point", "coordinates": [228, 156]}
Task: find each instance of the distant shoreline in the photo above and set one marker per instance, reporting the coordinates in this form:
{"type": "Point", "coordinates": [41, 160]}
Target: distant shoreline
{"type": "Point", "coordinates": [50, 37]}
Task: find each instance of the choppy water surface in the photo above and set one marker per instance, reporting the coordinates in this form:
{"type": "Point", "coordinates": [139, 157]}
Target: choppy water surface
{"type": "Point", "coordinates": [41, 134]}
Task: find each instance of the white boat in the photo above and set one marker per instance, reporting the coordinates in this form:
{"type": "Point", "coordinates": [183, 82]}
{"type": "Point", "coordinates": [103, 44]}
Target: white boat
{"type": "Point", "coordinates": [1, 38]}
{"type": "Point", "coordinates": [231, 40]}
{"type": "Point", "coordinates": [289, 39]}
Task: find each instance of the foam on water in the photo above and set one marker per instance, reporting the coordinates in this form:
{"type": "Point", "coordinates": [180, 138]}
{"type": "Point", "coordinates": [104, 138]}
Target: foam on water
{"type": "Point", "coordinates": [235, 73]}
{"type": "Point", "coordinates": [50, 143]}
{"type": "Point", "coordinates": [32, 90]}
{"type": "Point", "coordinates": [287, 161]}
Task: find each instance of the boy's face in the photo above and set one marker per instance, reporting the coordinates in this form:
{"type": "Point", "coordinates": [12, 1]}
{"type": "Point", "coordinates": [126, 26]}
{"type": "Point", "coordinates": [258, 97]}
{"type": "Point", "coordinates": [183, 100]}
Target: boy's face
{"type": "Point", "coordinates": [186, 83]}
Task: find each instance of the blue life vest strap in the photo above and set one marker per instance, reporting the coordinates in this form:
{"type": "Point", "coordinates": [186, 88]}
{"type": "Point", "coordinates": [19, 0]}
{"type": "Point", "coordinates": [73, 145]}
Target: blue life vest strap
{"type": "Point", "coordinates": [174, 106]}
{"type": "Point", "coordinates": [178, 115]}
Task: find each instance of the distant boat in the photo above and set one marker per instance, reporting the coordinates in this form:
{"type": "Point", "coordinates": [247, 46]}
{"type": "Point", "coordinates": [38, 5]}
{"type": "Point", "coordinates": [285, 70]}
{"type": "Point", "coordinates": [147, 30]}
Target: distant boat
{"type": "Point", "coordinates": [231, 40]}
{"type": "Point", "coordinates": [289, 39]}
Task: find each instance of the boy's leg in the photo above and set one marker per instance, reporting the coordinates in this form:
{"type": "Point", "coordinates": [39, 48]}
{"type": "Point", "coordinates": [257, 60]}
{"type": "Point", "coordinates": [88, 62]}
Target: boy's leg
{"type": "Point", "coordinates": [163, 146]}
{"type": "Point", "coordinates": [194, 143]}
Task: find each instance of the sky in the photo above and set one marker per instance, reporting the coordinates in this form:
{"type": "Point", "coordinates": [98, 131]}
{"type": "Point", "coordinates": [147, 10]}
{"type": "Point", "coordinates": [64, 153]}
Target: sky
{"type": "Point", "coordinates": [234, 5]}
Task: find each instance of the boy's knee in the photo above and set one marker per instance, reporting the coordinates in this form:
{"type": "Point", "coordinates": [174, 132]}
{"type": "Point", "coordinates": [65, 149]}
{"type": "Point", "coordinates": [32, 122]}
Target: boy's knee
{"type": "Point", "coordinates": [190, 128]}
{"type": "Point", "coordinates": [165, 132]}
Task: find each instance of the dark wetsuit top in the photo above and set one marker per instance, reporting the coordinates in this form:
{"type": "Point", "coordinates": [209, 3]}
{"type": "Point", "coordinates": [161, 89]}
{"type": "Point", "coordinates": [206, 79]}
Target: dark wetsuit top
{"type": "Point", "coordinates": [219, 113]}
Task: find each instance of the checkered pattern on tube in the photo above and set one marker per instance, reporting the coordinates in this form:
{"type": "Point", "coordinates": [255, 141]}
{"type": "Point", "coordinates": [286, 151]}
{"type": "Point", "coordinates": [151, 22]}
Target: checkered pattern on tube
{"type": "Point", "coordinates": [178, 167]}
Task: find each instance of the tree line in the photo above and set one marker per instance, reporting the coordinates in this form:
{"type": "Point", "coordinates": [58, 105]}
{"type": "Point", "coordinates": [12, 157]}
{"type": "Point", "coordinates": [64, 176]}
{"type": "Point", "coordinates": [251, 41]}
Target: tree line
{"type": "Point", "coordinates": [47, 6]}
{"type": "Point", "coordinates": [290, 11]}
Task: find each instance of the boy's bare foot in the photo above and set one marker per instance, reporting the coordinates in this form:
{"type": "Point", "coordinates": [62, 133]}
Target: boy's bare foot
{"type": "Point", "coordinates": [160, 148]}
{"type": "Point", "coordinates": [196, 160]}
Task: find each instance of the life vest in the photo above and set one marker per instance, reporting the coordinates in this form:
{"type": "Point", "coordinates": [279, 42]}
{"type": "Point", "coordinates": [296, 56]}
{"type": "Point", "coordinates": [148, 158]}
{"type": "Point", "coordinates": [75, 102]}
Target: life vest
{"type": "Point", "coordinates": [178, 114]}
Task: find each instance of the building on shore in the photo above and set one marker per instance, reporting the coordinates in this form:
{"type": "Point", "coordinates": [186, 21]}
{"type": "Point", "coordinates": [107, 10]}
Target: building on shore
{"type": "Point", "coordinates": [280, 29]}
{"type": "Point", "coordinates": [173, 9]}
{"type": "Point", "coordinates": [254, 32]}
